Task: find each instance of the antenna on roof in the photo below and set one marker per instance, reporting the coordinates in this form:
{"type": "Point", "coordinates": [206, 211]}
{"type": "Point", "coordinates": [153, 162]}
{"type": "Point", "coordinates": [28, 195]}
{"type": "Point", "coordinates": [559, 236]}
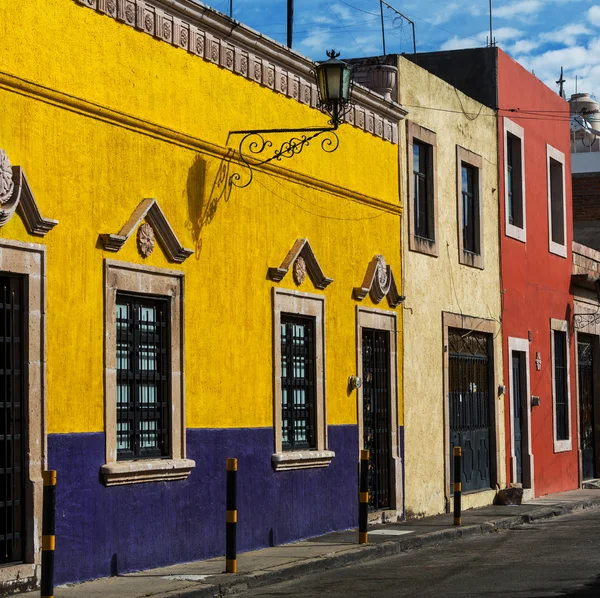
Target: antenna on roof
{"type": "Point", "coordinates": [400, 17]}
{"type": "Point", "coordinates": [491, 35]}
{"type": "Point", "coordinates": [290, 22]}
{"type": "Point", "coordinates": [231, 8]}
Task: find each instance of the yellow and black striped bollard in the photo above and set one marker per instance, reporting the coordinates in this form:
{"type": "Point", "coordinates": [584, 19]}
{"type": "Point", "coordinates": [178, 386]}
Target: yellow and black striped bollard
{"type": "Point", "coordinates": [231, 517]}
{"type": "Point", "coordinates": [48, 537]}
{"type": "Point", "coordinates": [363, 505]}
{"type": "Point", "coordinates": [457, 485]}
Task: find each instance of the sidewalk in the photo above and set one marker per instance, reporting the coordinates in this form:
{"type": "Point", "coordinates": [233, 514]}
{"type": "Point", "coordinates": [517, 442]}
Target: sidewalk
{"type": "Point", "coordinates": [205, 579]}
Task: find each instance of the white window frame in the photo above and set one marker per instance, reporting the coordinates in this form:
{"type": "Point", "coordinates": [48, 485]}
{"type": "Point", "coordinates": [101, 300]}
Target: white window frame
{"type": "Point", "coordinates": [512, 230]}
{"type": "Point", "coordinates": [561, 446]}
{"type": "Point", "coordinates": [144, 280]}
{"type": "Point", "coordinates": [520, 345]}
{"type": "Point", "coordinates": [302, 304]}
{"type": "Point", "coordinates": [558, 156]}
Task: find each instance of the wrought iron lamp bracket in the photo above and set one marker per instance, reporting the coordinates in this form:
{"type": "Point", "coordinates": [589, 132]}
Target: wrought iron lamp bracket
{"type": "Point", "coordinates": [582, 320]}
{"type": "Point", "coordinates": [254, 143]}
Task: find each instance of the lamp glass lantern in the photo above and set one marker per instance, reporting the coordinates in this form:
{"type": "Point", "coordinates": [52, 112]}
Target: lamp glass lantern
{"type": "Point", "coordinates": [334, 79]}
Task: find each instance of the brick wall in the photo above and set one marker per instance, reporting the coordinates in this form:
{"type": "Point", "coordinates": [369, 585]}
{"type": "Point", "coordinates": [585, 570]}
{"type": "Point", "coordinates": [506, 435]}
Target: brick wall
{"type": "Point", "coordinates": [586, 197]}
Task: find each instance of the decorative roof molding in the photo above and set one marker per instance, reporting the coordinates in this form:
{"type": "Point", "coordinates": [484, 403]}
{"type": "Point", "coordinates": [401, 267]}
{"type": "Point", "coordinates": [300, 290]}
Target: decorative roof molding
{"type": "Point", "coordinates": [216, 38]}
{"type": "Point", "coordinates": [149, 210]}
{"type": "Point", "coordinates": [379, 282]}
{"type": "Point", "coordinates": [16, 194]}
{"type": "Point", "coordinates": [301, 251]}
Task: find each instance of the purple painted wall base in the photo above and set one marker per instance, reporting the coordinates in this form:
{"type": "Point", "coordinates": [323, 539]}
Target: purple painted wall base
{"type": "Point", "coordinates": [106, 531]}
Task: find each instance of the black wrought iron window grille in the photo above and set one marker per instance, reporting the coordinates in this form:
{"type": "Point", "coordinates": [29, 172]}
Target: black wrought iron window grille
{"type": "Point", "coordinates": [470, 208]}
{"type": "Point", "coordinates": [12, 420]}
{"type": "Point", "coordinates": [560, 385]}
{"type": "Point", "coordinates": [298, 379]}
{"type": "Point", "coordinates": [422, 175]}
{"type": "Point", "coordinates": [143, 377]}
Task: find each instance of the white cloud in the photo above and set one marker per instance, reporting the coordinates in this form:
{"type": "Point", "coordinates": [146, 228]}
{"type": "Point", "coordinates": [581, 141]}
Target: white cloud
{"type": "Point", "coordinates": [524, 46]}
{"type": "Point", "coordinates": [580, 61]}
{"type": "Point", "coordinates": [443, 16]}
{"type": "Point", "coordinates": [594, 15]}
{"type": "Point", "coordinates": [519, 10]}
{"type": "Point", "coordinates": [459, 43]}
{"type": "Point", "coordinates": [567, 35]}
{"type": "Point", "coordinates": [502, 34]}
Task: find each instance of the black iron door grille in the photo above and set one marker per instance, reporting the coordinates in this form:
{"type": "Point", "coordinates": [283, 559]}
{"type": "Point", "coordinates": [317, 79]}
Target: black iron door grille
{"type": "Point", "coordinates": [297, 383]}
{"type": "Point", "coordinates": [143, 377]}
{"type": "Point", "coordinates": [469, 407]}
{"type": "Point", "coordinates": [376, 415]}
{"type": "Point", "coordinates": [560, 385]}
{"type": "Point", "coordinates": [586, 403]}
{"type": "Point", "coordinates": [12, 432]}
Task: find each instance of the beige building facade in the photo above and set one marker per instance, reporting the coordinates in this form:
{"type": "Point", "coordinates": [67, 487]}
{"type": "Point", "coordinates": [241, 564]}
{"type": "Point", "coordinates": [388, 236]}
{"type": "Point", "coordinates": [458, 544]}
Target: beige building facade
{"type": "Point", "coordinates": [451, 280]}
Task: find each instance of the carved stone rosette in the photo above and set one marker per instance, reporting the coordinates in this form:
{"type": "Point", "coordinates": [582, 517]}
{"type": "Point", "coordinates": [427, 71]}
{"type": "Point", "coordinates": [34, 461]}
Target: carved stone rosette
{"type": "Point", "coordinates": [299, 270]}
{"type": "Point", "coordinates": [7, 185]}
{"type": "Point", "coordinates": [145, 239]}
{"type": "Point", "coordinates": [379, 282]}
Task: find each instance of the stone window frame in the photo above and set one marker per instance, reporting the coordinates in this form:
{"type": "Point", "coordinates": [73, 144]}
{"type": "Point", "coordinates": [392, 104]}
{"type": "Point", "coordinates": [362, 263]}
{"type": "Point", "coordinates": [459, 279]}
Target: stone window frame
{"type": "Point", "coordinates": [379, 319]}
{"type": "Point", "coordinates": [463, 155]}
{"type": "Point", "coordinates": [521, 345]}
{"type": "Point", "coordinates": [490, 327]}
{"type": "Point", "coordinates": [429, 138]}
{"type": "Point", "coordinates": [553, 154]}
{"type": "Point", "coordinates": [561, 446]}
{"type": "Point", "coordinates": [29, 260]}
{"type": "Point", "coordinates": [311, 305]}
{"type": "Point", "coordinates": [512, 230]}
{"type": "Point", "coordinates": [144, 280]}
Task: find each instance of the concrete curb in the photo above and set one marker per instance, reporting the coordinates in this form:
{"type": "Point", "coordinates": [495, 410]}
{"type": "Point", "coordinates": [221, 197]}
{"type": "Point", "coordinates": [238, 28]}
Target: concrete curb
{"type": "Point", "coordinates": [369, 552]}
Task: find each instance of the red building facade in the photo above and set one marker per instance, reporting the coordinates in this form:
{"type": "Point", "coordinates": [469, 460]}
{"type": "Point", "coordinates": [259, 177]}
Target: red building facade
{"type": "Point", "coordinates": [536, 242]}
{"type": "Point", "coordinates": [536, 232]}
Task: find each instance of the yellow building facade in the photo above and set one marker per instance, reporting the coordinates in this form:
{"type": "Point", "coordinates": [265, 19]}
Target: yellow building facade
{"type": "Point", "coordinates": [159, 306]}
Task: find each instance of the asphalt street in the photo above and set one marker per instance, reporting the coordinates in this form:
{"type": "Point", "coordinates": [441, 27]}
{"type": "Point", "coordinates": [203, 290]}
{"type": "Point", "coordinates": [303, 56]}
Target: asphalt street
{"type": "Point", "coordinates": [556, 557]}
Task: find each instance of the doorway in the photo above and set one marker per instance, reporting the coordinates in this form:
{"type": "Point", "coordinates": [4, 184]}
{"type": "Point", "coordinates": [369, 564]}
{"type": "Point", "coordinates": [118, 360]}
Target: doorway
{"type": "Point", "coordinates": [376, 415]}
{"type": "Point", "coordinates": [585, 364]}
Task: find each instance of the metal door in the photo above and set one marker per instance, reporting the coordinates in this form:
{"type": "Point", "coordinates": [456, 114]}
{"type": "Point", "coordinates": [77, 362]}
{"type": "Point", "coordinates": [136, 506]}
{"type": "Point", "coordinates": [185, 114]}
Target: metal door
{"type": "Point", "coordinates": [517, 415]}
{"type": "Point", "coordinates": [469, 400]}
{"type": "Point", "coordinates": [12, 441]}
{"type": "Point", "coordinates": [586, 406]}
{"type": "Point", "coordinates": [376, 415]}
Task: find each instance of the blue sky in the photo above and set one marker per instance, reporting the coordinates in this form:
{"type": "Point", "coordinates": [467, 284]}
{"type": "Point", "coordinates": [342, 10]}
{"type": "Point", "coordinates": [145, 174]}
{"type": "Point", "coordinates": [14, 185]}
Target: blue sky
{"type": "Point", "coordinates": [542, 35]}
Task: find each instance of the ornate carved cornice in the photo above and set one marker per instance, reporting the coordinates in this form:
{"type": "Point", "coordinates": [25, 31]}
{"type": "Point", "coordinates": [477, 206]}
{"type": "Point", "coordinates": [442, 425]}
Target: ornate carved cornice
{"type": "Point", "coordinates": [301, 251]}
{"type": "Point", "coordinates": [149, 210]}
{"type": "Point", "coordinates": [231, 45]}
{"type": "Point", "coordinates": [379, 282]}
{"type": "Point", "coordinates": [16, 194]}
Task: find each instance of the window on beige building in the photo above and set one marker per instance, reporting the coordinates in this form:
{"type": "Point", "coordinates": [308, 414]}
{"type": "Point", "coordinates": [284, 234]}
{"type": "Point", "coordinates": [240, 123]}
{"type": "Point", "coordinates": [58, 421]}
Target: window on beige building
{"type": "Point", "coordinates": [422, 205]}
{"type": "Point", "coordinates": [469, 204]}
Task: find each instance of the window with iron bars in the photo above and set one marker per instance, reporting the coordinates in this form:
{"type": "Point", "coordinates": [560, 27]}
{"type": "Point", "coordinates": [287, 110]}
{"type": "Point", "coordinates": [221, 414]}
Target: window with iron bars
{"type": "Point", "coordinates": [297, 382]}
{"type": "Point", "coordinates": [143, 341]}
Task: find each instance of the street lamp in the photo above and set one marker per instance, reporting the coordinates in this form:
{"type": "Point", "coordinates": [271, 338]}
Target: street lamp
{"type": "Point", "coordinates": [334, 78]}
{"type": "Point", "coordinates": [334, 86]}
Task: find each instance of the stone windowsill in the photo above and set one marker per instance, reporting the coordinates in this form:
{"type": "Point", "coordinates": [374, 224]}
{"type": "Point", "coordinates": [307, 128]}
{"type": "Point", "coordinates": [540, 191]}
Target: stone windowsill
{"type": "Point", "coordinates": [285, 461]}
{"type": "Point", "coordinates": [151, 470]}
